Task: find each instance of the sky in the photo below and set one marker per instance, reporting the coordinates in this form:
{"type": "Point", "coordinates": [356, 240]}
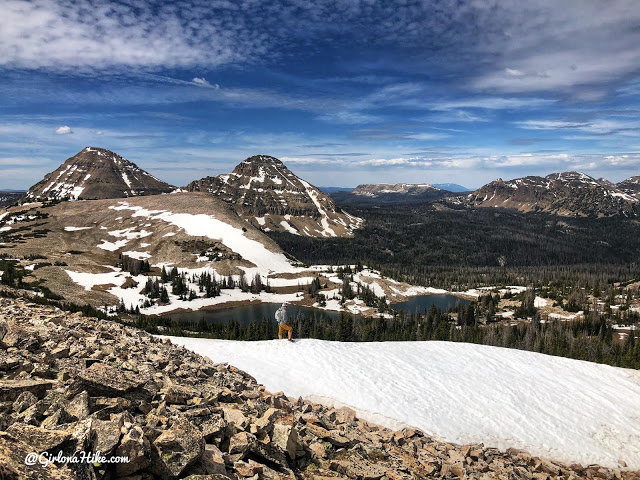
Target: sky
{"type": "Point", "coordinates": [343, 91]}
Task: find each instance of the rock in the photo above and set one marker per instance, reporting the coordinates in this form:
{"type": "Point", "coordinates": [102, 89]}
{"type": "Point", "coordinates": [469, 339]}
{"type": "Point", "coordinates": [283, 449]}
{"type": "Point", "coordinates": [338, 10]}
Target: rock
{"type": "Point", "coordinates": [79, 406]}
{"type": "Point", "coordinates": [106, 434]}
{"type": "Point", "coordinates": [3, 329]}
{"type": "Point", "coordinates": [345, 415]}
{"type": "Point", "coordinates": [59, 417]}
{"type": "Point", "coordinates": [213, 460]}
{"type": "Point", "coordinates": [265, 423]}
{"type": "Point", "coordinates": [10, 390]}
{"type": "Point", "coordinates": [179, 447]}
{"type": "Point", "coordinates": [241, 442]}
{"type": "Point", "coordinates": [213, 427]}
{"type": "Point", "coordinates": [39, 438]}
{"type": "Point", "coordinates": [135, 446]}
{"type": "Point", "coordinates": [103, 380]}
{"type": "Point", "coordinates": [12, 463]}
{"type": "Point", "coordinates": [60, 352]}
{"type": "Point", "coordinates": [24, 401]}
{"type": "Point", "coordinates": [285, 437]}
{"type": "Point", "coordinates": [318, 449]}
{"type": "Point", "coordinates": [235, 417]}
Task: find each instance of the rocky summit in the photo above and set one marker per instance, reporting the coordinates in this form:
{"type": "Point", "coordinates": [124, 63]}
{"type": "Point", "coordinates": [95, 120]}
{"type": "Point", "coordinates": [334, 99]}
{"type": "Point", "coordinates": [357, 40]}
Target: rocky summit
{"type": "Point", "coordinates": [71, 384]}
{"type": "Point", "coordinates": [97, 173]}
{"type": "Point", "coordinates": [263, 191]}
{"type": "Point", "coordinates": [630, 186]}
{"type": "Point", "coordinates": [567, 193]}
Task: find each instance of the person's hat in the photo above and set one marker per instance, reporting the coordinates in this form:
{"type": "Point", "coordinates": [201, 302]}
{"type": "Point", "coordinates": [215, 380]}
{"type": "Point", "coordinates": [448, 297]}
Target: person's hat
{"type": "Point", "coordinates": [285, 304]}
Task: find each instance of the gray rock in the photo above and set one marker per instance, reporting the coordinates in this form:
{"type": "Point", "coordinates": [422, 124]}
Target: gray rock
{"type": "Point", "coordinates": [179, 447]}
{"type": "Point", "coordinates": [135, 446]}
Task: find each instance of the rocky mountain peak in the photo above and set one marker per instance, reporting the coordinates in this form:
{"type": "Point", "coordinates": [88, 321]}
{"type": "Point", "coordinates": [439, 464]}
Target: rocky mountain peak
{"type": "Point", "coordinates": [630, 186]}
{"type": "Point", "coordinates": [563, 193]}
{"type": "Point", "coordinates": [263, 191]}
{"type": "Point", "coordinates": [97, 173]}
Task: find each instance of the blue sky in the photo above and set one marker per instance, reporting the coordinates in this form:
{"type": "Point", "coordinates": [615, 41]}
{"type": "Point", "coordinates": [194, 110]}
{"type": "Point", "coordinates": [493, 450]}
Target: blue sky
{"type": "Point", "coordinates": [343, 91]}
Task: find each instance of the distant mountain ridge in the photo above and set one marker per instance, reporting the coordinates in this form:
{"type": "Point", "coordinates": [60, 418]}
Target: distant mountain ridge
{"type": "Point", "coordinates": [566, 193]}
{"type": "Point", "coordinates": [263, 191]}
{"type": "Point", "coordinates": [97, 173]}
{"type": "Point", "coordinates": [378, 189]}
{"type": "Point", "coordinates": [8, 197]}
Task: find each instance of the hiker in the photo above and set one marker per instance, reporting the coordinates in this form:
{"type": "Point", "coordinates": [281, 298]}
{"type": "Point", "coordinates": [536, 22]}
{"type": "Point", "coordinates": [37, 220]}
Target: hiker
{"type": "Point", "coordinates": [283, 321]}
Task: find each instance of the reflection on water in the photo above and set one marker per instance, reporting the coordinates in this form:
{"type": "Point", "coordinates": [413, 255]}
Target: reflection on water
{"type": "Point", "coordinates": [245, 314]}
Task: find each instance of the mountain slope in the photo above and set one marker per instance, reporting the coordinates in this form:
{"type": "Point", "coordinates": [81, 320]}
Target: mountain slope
{"type": "Point", "coordinates": [567, 193]}
{"type": "Point", "coordinates": [630, 186]}
{"type": "Point", "coordinates": [263, 191]}
{"type": "Point", "coordinates": [97, 173]}
{"type": "Point", "coordinates": [78, 244]}
{"type": "Point", "coordinates": [9, 197]}
{"type": "Point", "coordinates": [461, 392]}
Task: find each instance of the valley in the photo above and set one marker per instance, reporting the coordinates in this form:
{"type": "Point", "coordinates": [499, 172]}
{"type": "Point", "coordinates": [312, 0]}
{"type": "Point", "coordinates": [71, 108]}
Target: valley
{"type": "Point", "coordinates": [436, 275]}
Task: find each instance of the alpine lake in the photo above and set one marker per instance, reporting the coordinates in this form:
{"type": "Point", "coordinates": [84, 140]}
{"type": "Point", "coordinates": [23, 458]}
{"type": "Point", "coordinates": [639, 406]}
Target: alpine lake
{"type": "Point", "coordinates": [245, 314]}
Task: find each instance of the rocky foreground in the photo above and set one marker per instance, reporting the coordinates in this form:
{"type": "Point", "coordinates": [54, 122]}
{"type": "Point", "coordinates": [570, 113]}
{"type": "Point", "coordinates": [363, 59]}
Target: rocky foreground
{"type": "Point", "coordinates": [73, 384]}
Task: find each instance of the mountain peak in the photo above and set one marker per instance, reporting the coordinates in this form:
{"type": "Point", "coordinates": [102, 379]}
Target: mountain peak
{"type": "Point", "coordinates": [96, 173]}
{"type": "Point", "coordinates": [563, 193]}
{"type": "Point", "coordinates": [262, 190]}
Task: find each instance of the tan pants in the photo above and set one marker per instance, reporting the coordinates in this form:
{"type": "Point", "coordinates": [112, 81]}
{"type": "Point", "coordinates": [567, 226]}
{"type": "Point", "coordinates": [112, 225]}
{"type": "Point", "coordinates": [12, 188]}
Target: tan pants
{"type": "Point", "coordinates": [282, 327]}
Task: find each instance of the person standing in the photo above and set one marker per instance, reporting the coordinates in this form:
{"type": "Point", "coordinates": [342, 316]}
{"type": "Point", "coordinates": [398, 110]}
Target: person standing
{"type": "Point", "coordinates": [283, 321]}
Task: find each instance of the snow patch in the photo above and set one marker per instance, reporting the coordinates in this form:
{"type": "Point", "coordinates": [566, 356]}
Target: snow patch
{"type": "Point", "coordinates": [568, 410]}
{"type": "Point", "coordinates": [76, 229]}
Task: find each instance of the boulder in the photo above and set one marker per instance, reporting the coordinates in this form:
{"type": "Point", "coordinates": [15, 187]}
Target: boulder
{"type": "Point", "coordinates": [13, 453]}
{"type": "Point", "coordinates": [78, 408]}
{"type": "Point", "coordinates": [285, 437]}
{"type": "Point", "coordinates": [179, 447]}
{"type": "Point", "coordinates": [135, 446]}
{"type": "Point", "coordinates": [265, 423]}
{"type": "Point", "coordinates": [235, 418]}
{"type": "Point", "coordinates": [101, 379]}
{"type": "Point", "coordinates": [24, 401]}
{"type": "Point", "coordinates": [213, 427]}
{"type": "Point", "coordinates": [39, 438]}
{"type": "Point", "coordinates": [10, 390]}
{"type": "Point", "coordinates": [213, 460]}
{"type": "Point", "coordinates": [106, 434]}
{"type": "Point", "coordinates": [345, 415]}
{"type": "Point", "coordinates": [241, 442]}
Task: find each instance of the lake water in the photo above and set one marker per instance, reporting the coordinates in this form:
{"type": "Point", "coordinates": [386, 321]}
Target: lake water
{"type": "Point", "coordinates": [245, 314]}
{"type": "Point", "coordinates": [421, 303]}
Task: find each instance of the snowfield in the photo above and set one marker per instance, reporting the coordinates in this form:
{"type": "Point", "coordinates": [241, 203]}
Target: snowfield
{"type": "Point", "coordinates": [557, 408]}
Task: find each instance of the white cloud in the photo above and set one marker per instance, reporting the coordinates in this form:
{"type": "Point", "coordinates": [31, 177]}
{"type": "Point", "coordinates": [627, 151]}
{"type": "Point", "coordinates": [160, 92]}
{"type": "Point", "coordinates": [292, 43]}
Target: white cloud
{"type": "Point", "coordinates": [493, 103]}
{"type": "Point", "coordinates": [204, 82]}
{"type": "Point", "coordinates": [65, 130]}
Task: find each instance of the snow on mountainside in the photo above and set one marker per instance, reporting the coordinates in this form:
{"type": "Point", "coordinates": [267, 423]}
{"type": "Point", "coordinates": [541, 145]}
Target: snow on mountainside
{"type": "Point", "coordinates": [630, 186]}
{"type": "Point", "coordinates": [82, 241]}
{"type": "Point", "coordinates": [97, 173]}
{"type": "Point", "coordinates": [263, 191]}
{"type": "Point", "coordinates": [567, 193]}
{"type": "Point", "coordinates": [8, 197]}
{"type": "Point", "coordinates": [563, 409]}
